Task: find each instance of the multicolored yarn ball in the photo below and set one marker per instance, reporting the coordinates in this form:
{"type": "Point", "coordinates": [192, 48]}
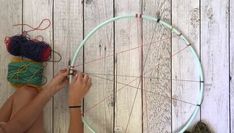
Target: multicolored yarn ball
{"type": "Point", "coordinates": [20, 45]}
{"type": "Point", "coordinates": [25, 73]}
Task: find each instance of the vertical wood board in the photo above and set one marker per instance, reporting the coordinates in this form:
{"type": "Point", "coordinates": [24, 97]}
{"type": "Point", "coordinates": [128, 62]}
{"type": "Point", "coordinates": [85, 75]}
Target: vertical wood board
{"type": "Point", "coordinates": [98, 63]}
{"type": "Point", "coordinates": [157, 67]}
{"type": "Point", "coordinates": [215, 58]}
{"type": "Point", "coordinates": [68, 33]}
{"type": "Point", "coordinates": [128, 68]}
{"type": "Point", "coordinates": [185, 77]}
{"type": "Point", "coordinates": [34, 12]}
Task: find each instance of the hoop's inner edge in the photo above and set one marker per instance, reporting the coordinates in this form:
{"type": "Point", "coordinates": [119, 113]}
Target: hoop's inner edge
{"type": "Point", "coordinates": [168, 26]}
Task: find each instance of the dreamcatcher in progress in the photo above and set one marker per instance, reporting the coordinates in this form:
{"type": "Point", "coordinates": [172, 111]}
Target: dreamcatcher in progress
{"type": "Point", "coordinates": [173, 30]}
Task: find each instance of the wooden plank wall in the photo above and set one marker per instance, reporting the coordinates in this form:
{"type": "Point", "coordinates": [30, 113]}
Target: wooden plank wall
{"type": "Point", "coordinates": [215, 59]}
{"type": "Point", "coordinates": [208, 25]}
{"type": "Point", "coordinates": [12, 15]}
{"type": "Point", "coordinates": [183, 64]}
{"type": "Point", "coordinates": [157, 68]}
{"type": "Point", "coordinates": [128, 99]}
{"type": "Point", "coordinates": [33, 15]}
{"type": "Point", "coordinates": [68, 32]}
{"type": "Point", "coordinates": [231, 57]}
{"type": "Point", "coordinates": [101, 116]}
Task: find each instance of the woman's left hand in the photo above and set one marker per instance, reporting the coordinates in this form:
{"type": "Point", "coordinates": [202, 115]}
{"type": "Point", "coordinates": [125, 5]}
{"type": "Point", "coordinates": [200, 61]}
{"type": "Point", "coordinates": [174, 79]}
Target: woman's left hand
{"type": "Point", "coordinates": [59, 81]}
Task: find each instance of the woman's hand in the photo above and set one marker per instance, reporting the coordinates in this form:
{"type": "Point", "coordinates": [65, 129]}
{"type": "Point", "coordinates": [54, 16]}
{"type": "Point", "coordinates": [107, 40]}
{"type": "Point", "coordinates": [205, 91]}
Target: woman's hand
{"type": "Point", "coordinates": [59, 81]}
{"type": "Point", "coordinates": [78, 88]}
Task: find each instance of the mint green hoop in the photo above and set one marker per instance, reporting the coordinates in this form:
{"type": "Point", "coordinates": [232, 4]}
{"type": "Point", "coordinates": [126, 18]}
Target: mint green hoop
{"type": "Point", "coordinates": [173, 29]}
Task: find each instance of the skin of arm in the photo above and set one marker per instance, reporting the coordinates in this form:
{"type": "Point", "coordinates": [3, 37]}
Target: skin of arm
{"type": "Point", "coordinates": [76, 124]}
{"type": "Point", "coordinates": [26, 116]}
{"type": "Point", "coordinates": [77, 90]}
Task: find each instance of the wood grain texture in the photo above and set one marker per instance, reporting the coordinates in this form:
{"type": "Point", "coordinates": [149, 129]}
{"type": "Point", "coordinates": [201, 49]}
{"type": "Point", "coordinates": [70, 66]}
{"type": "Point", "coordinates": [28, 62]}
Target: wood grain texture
{"type": "Point", "coordinates": [157, 66]}
{"type": "Point", "coordinates": [68, 33]}
{"type": "Point", "coordinates": [159, 113]}
{"type": "Point", "coordinates": [157, 61]}
{"type": "Point", "coordinates": [12, 14]}
{"type": "Point", "coordinates": [184, 64]}
{"type": "Point", "coordinates": [231, 66]}
{"type": "Point", "coordinates": [100, 45]}
{"type": "Point", "coordinates": [34, 12]}
{"type": "Point", "coordinates": [128, 99]}
{"type": "Point", "coordinates": [215, 58]}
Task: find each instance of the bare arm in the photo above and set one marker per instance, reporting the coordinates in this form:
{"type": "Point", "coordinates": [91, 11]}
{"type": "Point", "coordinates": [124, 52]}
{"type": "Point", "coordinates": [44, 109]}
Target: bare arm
{"type": "Point", "coordinates": [23, 119]}
{"type": "Point", "coordinates": [77, 91]}
{"type": "Point", "coordinates": [76, 125]}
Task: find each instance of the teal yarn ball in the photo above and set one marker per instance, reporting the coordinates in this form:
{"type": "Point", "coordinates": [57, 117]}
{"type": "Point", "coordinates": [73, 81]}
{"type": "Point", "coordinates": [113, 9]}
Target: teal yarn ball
{"type": "Point", "coordinates": [25, 73]}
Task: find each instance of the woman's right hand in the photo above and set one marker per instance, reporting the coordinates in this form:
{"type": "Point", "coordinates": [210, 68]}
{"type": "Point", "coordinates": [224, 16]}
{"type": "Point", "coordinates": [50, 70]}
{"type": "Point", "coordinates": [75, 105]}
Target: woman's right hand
{"type": "Point", "coordinates": [78, 89]}
{"type": "Point", "coordinates": [58, 82]}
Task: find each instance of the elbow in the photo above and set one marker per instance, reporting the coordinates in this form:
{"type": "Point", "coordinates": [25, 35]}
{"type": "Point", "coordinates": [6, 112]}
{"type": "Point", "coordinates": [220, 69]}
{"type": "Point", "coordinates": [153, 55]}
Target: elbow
{"type": "Point", "coordinates": [11, 127]}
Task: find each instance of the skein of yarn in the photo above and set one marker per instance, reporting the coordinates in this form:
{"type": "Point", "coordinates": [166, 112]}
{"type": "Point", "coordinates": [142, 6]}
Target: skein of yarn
{"type": "Point", "coordinates": [20, 45]}
{"type": "Point", "coordinates": [25, 73]}
{"type": "Point", "coordinates": [15, 41]}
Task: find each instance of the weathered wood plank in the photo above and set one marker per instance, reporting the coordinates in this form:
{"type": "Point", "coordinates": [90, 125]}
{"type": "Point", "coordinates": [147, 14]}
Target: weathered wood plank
{"type": "Point", "coordinates": [231, 65]}
{"type": "Point", "coordinates": [157, 62]}
{"type": "Point", "coordinates": [33, 13]}
{"type": "Point", "coordinates": [12, 14]}
{"type": "Point", "coordinates": [100, 117]}
{"type": "Point", "coordinates": [215, 58]}
{"type": "Point", "coordinates": [68, 33]}
{"type": "Point", "coordinates": [128, 99]}
{"type": "Point", "coordinates": [183, 63]}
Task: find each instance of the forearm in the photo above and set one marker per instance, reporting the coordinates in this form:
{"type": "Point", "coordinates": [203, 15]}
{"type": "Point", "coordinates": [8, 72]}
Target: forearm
{"type": "Point", "coordinates": [76, 125]}
{"type": "Point", "coordinates": [26, 116]}
{"type": "Point", "coordinates": [77, 90]}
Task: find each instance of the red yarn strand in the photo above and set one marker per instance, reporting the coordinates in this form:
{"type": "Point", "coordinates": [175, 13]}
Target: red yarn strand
{"type": "Point", "coordinates": [36, 28]}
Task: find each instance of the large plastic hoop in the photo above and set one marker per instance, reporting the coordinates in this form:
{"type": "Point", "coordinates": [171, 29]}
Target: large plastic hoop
{"type": "Point", "coordinates": [168, 26]}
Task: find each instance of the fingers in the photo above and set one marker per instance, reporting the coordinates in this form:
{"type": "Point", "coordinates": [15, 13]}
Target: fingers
{"type": "Point", "coordinates": [62, 75]}
{"type": "Point", "coordinates": [86, 78]}
{"type": "Point", "coordinates": [65, 82]}
{"type": "Point", "coordinates": [65, 71]}
{"type": "Point", "coordinates": [89, 82]}
{"type": "Point", "coordinates": [81, 77]}
{"type": "Point", "coordinates": [77, 78]}
{"type": "Point", "coordinates": [62, 72]}
{"type": "Point", "coordinates": [75, 72]}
